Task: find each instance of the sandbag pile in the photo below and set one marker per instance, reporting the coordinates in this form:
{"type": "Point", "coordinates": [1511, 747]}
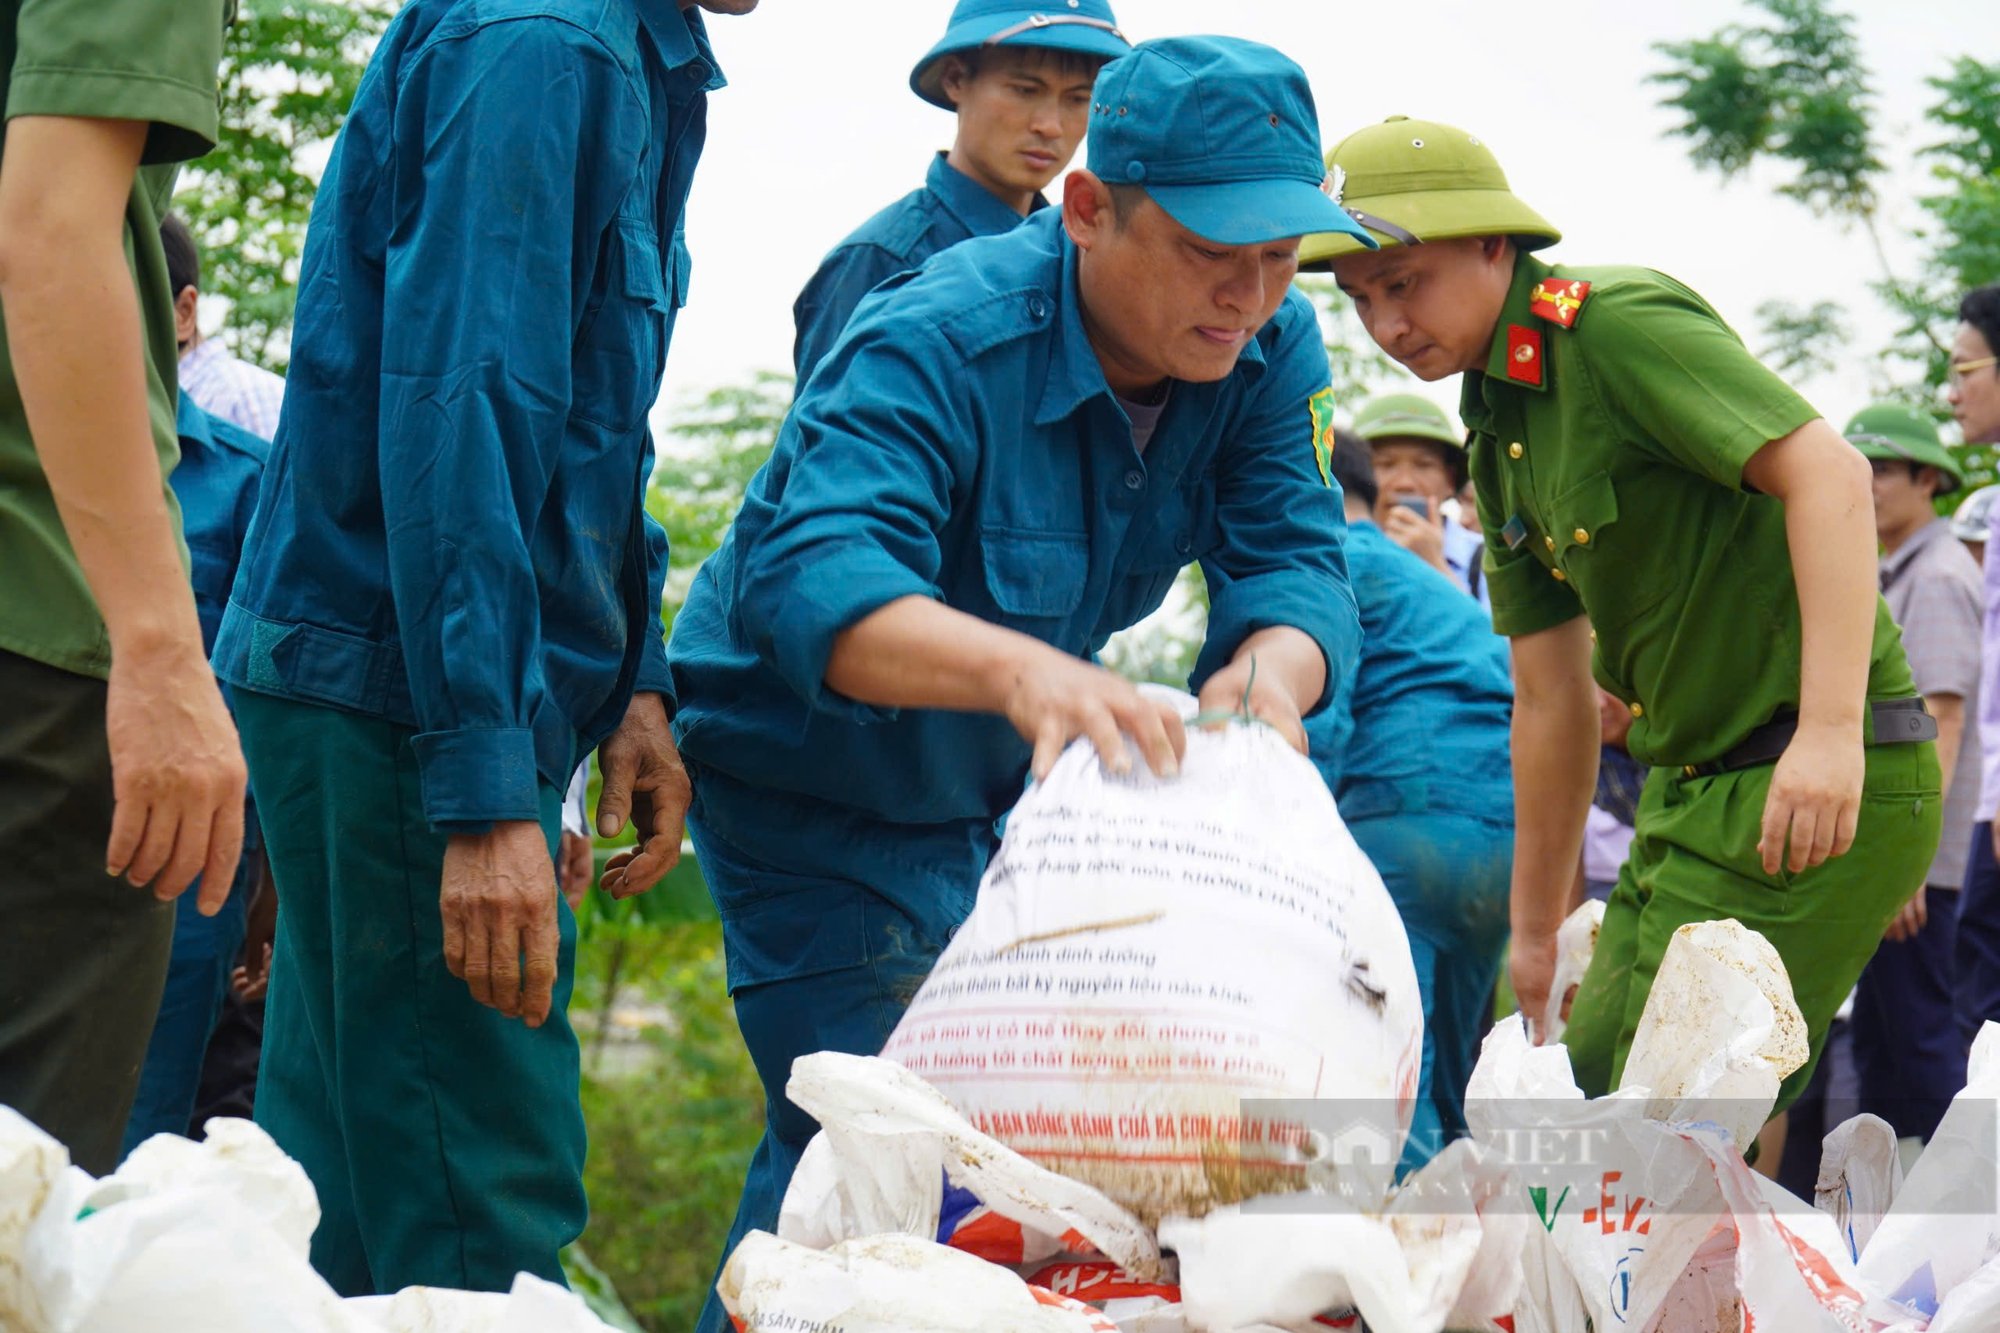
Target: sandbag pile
{"type": "Point", "coordinates": [1155, 967]}
{"type": "Point", "coordinates": [1644, 1217]}
{"type": "Point", "coordinates": [207, 1236]}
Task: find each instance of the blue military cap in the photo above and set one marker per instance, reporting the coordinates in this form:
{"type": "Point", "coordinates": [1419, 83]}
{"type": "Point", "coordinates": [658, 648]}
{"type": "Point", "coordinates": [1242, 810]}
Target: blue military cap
{"type": "Point", "coordinates": [1084, 26]}
{"type": "Point", "coordinates": [1222, 133]}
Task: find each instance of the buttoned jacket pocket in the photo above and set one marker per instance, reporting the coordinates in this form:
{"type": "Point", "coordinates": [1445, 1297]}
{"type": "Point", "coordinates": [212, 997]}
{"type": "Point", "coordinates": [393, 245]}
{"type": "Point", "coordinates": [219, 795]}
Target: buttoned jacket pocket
{"type": "Point", "coordinates": [622, 346]}
{"type": "Point", "coordinates": [1609, 562]}
{"type": "Point", "coordinates": [1033, 574]}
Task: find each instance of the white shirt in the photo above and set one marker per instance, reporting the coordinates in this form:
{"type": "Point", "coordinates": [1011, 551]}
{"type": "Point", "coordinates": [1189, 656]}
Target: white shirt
{"type": "Point", "coordinates": [238, 392]}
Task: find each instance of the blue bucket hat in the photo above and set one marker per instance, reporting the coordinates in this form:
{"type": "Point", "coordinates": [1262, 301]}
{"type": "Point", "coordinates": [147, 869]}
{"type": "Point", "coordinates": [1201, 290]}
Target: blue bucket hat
{"type": "Point", "coordinates": [1087, 27]}
{"type": "Point", "coordinates": [1222, 133]}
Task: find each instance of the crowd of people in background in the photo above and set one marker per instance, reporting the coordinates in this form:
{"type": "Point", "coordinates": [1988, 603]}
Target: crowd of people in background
{"type": "Point", "coordinates": [1606, 633]}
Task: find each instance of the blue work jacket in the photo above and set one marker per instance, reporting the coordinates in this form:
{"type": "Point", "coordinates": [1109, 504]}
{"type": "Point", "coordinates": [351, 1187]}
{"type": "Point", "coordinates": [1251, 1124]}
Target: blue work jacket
{"type": "Point", "coordinates": [964, 446]}
{"type": "Point", "coordinates": [453, 536]}
{"type": "Point", "coordinates": [221, 469]}
{"type": "Point", "coordinates": [951, 207]}
{"type": "Point", "coordinates": [1422, 722]}
{"type": "Point", "coordinates": [217, 482]}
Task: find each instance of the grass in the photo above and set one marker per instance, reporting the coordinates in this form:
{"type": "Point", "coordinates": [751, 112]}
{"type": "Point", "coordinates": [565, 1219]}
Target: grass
{"type": "Point", "coordinates": [672, 1118]}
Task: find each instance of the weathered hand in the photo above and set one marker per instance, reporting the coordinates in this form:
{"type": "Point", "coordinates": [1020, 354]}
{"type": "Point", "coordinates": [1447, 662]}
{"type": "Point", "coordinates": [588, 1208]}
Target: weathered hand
{"type": "Point", "coordinates": [643, 778]}
{"type": "Point", "coordinates": [1910, 919]}
{"type": "Point", "coordinates": [498, 898]}
{"type": "Point", "coordinates": [574, 874]}
{"type": "Point", "coordinates": [1815, 798]}
{"type": "Point", "coordinates": [1269, 700]}
{"type": "Point", "coordinates": [1058, 698]}
{"type": "Point", "coordinates": [177, 775]}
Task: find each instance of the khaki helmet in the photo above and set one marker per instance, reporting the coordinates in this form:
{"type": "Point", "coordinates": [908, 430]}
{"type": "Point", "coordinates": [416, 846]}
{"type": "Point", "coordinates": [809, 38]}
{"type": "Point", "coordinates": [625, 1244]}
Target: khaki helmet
{"type": "Point", "coordinates": [1407, 416]}
{"type": "Point", "coordinates": [1410, 181]}
{"type": "Point", "coordinates": [1410, 416]}
{"type": "Point", "coordinates": [1900, 432]}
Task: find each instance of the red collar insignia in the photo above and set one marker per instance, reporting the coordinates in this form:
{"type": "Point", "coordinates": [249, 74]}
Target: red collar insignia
{"type": "Point", "coordinates": [1524, 354]}
{"type": "Point", "coordinates": [1559, 299]}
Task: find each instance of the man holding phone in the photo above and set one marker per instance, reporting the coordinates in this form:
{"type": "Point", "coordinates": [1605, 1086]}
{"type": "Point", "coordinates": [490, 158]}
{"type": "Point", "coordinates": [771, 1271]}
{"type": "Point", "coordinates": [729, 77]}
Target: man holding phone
{"type": "Point", "coordinates": [1419, 454]}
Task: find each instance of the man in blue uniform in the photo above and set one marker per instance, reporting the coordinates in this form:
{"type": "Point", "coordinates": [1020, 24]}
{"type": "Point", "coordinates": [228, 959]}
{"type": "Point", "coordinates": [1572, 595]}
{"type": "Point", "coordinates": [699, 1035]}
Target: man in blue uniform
{"type": "Point", "coordinates": [1008, 457]}
{"type": "Point", "coordinates": [1415, 750]}
{"type": "Point", "coordinates": [1019, 80]}
{"type": "Point", "coordinates": [451, 595]}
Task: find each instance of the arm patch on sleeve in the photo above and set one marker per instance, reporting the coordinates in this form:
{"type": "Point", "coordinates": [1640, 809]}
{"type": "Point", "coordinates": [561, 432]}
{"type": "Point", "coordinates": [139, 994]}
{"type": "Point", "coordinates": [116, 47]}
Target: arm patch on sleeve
{"type": "Point", "coordinates": [1321, 406]}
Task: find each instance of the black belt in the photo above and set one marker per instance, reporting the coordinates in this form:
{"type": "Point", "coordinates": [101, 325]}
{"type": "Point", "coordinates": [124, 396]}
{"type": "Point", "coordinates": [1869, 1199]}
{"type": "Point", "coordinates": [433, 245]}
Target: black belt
{"type": "Point", "coordinates": [1897, 722]}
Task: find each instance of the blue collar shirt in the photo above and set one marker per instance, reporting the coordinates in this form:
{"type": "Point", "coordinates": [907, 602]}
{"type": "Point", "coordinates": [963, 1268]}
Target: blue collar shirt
{"type": "Point", "coordinates": [1422, 723]}
{"type": "Point", "coordinates": [453, 536]}
{"type": "Point", "coordinates": [951, 207]}
{"type": "Point", "coordinates": [220, 472]}
{"type": "Point", "coordinates": [964, 446]}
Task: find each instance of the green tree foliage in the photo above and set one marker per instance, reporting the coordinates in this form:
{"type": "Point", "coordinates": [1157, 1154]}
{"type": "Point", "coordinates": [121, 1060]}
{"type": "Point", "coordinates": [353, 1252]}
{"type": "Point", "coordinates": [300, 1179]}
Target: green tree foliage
{"type": "Point", "coordinates": [1790, 89]}
{"type": "Point", "coordinates": [289, 71]}
{"type": "Point", "coordinates": [710, 452]}
{"type": "Point", "coordinates": [1803, 340]}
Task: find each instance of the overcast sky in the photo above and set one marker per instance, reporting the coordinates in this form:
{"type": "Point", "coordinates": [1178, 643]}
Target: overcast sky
{"type": "Point", "coordinates": [818, 129]}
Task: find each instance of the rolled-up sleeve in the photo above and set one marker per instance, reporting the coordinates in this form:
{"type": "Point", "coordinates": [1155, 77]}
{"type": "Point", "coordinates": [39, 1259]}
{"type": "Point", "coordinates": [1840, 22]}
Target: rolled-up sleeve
{"type": "Point", "coordinates": [514, 143]}
{"type": "Point", "coordinates": [874, 464]}
{"type": "Point", "coordinates": [122, 61]}
{"type": "Point", "coordinates": [1280, 560]}
{"type": "Point", "coordinates": [1696, 393]}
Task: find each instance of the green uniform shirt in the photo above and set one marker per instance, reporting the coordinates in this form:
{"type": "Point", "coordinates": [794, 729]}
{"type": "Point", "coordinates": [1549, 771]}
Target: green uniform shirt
{"type": "Point", "coordinates": [1608, 458]}
{"type": "Point", "coordinates": [118, 60]}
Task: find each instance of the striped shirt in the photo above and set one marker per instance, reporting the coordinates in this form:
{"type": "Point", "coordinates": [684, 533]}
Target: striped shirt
{"type": "Point", "coordinates": [1932, 586]}
{"type": "Point", "coordinates": [238, 392]}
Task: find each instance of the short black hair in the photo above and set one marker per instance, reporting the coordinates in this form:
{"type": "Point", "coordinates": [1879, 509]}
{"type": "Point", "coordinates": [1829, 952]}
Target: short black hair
{"type": "Point", "coordinates": [1981, 309]}
{"type": "Point", "coordinates": [1126, 199]}
{"type": "Point", "coordinates": [183, 256]}
{"type": "Point", "coordinates": [1354, 466]}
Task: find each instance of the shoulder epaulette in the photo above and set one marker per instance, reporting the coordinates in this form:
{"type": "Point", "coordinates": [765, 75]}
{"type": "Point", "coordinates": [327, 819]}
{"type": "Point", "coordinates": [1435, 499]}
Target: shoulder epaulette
{"type": "Point", "coordinates": [1559, 300]}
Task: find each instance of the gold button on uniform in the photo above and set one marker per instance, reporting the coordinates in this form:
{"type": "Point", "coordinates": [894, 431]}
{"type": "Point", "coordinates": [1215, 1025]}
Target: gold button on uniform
{"type": "Point", "coordinates": [1560, 577]}
{"type": "Point", "coordinates": [1638, 710]}
{"type": "Point", "coordinates": [1549, 542]}
{"type": "Point", "coordinates": [1582, 537]}
{"type": "Point", "coordinates": [1514, 449]}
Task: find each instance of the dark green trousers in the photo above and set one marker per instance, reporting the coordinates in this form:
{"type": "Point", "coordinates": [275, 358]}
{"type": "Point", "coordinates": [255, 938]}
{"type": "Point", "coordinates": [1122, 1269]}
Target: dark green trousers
{"type": "Point", "coordinates": [446, 1141]}
{"type": "Point", "coordinates": [1695, 859]}
{"type": "Point", "coordinates": [83, 956]}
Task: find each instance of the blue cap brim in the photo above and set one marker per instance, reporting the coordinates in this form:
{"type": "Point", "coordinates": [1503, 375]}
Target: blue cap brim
{"type": "Point", "coordinates": [1255, 212]}
{"type": "Point", "coordinates": [927, 81]}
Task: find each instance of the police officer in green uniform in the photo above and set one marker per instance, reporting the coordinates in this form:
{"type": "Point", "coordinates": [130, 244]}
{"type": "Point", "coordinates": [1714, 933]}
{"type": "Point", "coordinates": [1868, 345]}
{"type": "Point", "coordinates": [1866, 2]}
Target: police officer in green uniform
{"type": "Point", "coordinates": [1663, 512]}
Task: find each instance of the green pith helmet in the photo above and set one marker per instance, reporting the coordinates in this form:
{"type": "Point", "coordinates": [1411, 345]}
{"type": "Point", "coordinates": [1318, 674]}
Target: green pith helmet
{"type": "Point", "coordinates": [1896, 431]}
{"type": "Point", "coordinates": [1406, 416]}
{"type": "Point", "coordinates": [1410, 181]}
{"type": "Point", "coordinates": [1410, 416]}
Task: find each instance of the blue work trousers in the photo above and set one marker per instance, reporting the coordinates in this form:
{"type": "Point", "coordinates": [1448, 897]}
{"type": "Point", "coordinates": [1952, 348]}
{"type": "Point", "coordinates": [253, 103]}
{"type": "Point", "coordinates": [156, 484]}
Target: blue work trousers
{"type": "Point", "coordinates": [1907, 1049]}
{"type": "Point", "coordinates": [1976, 942]}
{"type": "Point", "coordinates": [817, 963]}
{"type": "Point", "coordinates": [205, 950]}
{"type": "Point", "coordinates": [1448, 874]}
{"type": "Point", "coordinates": [445, 1140]}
